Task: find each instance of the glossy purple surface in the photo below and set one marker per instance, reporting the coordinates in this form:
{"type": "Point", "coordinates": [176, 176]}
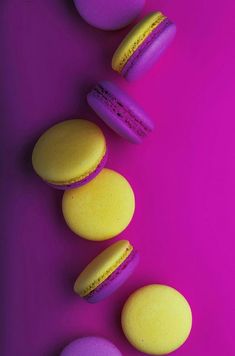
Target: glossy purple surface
{"type": "Point", "coordinates": [120, 112]}
{"type": "Point", "coordinates": [183, 175]}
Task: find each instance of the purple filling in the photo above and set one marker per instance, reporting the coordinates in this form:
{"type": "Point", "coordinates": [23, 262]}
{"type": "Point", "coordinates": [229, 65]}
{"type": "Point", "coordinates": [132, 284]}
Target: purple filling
{"type": "Point", "coordinates": [115, 280]}
{"type": "Point", "coordinates": [85, 180]}
{"type": "Point", "coordinates": [122, 112]}
{"type": "Point", "coordinates": [145, 45]}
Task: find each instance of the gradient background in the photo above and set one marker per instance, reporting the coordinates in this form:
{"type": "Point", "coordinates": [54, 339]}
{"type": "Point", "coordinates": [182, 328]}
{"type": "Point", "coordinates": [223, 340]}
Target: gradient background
{"type": "Point", "coordinates": [183, 174]}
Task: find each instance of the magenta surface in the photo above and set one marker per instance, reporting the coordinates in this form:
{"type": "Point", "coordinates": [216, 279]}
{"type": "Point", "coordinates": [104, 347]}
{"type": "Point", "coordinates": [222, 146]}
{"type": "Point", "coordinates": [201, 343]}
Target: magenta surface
{"type": "Point", "coordinates": [149, 52]}
{"type": "Point", "coordinates": [109, 14]}
{"type": "Point", "coordinates": [120, 112]}
{"type": "Point", "coordinates": [115, 280]}
{"type": "Point", "coordinates": [183, 176]}
{"type": "Point", "coordinates": [91, 346]}
{"type": "Point", "coordinates": [85, 180]}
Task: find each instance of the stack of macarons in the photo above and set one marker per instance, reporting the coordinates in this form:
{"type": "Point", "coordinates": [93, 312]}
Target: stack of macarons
{"type": "Point", "coordinates": [98, 203]}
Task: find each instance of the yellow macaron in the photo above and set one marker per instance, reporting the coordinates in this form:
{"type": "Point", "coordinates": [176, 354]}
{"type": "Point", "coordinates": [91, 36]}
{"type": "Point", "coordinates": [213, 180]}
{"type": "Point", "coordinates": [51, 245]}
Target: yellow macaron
{"type": "Point", "coordinates": [102, 208]}
{"type": "Point", "coordinates": [156, 319]}
{"type": "Point", "coordinates": [70, 154]}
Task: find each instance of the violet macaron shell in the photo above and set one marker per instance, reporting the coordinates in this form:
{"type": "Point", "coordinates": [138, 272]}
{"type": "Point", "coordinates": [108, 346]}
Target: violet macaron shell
{"type": "Point", "coordinates": [149, 53]}
{"type": "Point", "coordinates": [127, 126]}
{"type": "Point", "coordinates": [85, 180]}
{"type": "Point", "coordinates": [91, 346]}
{"type": "Point", "coordinates": [109, 14]}
{"type": "Point", "coordinates": [115, 280]}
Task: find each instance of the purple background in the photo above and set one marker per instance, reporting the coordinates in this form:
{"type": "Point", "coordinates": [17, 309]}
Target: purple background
{"type": "Point", "coordinates": [183, 174]}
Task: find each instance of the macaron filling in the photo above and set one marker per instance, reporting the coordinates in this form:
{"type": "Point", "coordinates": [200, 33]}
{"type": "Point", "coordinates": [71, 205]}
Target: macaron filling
{"type": "Point", "coordinates": [122, 112]}
{"type": "Point", "coordinates": [157, 31]}
{"type": "Point", "coordinates": [85, 179]}
{"type": "Point", "coordinates": [133, 257]}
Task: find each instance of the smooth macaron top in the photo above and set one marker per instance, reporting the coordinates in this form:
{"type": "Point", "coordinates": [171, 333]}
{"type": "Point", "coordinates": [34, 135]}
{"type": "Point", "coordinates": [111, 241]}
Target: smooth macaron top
{"type": "Point", "coordinates": [156, 319]}
{"type": "Point", "coordinates": [135, 38]}
{"type": "Point", "coordinates": [69, 152]}
{"type": "Point", "coordinates": [91, 346]}
{"type": "Point", "coordinates": [109, 14]}
{"type": "Point", "coordinates": [100, 209]}
{"type": "Point", "coordinates": [101, 267]}
{"type": "Point", "coordinates": [120, 112]}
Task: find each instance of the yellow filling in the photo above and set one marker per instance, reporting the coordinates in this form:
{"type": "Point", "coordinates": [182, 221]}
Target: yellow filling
{"type": "Point", "coordinates": [135, 38]}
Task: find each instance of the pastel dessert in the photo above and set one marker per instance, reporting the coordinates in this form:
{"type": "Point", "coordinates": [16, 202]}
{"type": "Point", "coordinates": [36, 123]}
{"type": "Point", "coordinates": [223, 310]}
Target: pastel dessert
{"type": "Point", "coordinates": [70, 154]}
{"type": "Point", "coordinates": [156, 319]}
{"type": "Point", "coordinates": [102, 208]}
{"type": "Point", "coordinates": [107, 272]}
{"type": "Point", "coordinates": [91, 346]}
{"type": "Point", "coordinates": [120, 112]}
{"type": "Point", "coordinates": [109, 14]}
{"type": "Point", "coordinates": [143, 46]}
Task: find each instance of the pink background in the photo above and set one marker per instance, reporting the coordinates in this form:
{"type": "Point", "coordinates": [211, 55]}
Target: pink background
{"type": "Point", "coordinates": [183, 175]}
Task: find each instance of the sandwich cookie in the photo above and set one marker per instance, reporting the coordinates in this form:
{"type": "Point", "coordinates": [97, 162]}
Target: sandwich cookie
{"type": "Point", "coordinates": [91, 346]}
{"type": "Point", "coordinates": [143, 46]}
{"type": "Point", "coordinates": [107, 272]}
{"type": "Point", "coordinates": [120, 112]}
{"type": "Point", "coordinates": [70, 154]}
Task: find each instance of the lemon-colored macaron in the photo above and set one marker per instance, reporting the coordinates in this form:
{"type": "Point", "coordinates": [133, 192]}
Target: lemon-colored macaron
{"type": "Point", "coordinates": [102, 208]}
{"type": "Point", "coordinates": [156, 319]}
{"type": "Point", "coordinates": [70, 153]}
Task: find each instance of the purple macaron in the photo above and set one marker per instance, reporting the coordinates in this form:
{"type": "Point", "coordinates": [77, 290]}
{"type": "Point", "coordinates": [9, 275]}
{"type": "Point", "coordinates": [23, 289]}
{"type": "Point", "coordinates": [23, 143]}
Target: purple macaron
{"type": "Point", "coordinates": [109, 14]}
{"type": "Point", "coordinates": [120, 112]}
{"type": "Point", "coordinates": [91, 346]}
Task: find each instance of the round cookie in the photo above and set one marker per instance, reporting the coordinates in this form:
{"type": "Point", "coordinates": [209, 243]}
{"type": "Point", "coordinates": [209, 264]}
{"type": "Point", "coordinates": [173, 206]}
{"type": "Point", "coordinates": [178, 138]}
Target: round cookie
{"type": "Point", "coordinates": [109, 14]}
{"type": "Point", "coordinates": [101, 209]}
{"type": "Point", "coordinates": [107, 272]}
{"type": "Point", "coordinates": [156, 319]}
{"type": "Point", "coordinates": [143, 45]}
{"type": "Point", "coordinates": [70, 154]}
{"type": "Point", "coordinates": [91, 346]}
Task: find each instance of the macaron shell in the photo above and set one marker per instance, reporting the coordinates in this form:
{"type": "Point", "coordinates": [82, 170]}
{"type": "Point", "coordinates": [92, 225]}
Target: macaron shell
{"type": "Point", "coordinates": [120, 126]}
{"type": "Point", "coordinates": [102, 208]}
{"type": "Point", "coordinates": [134, 39]}
{"type": "Point", "coordinates": [85, 180]}
{"type": "Point", "coordinates": [115, 280]}
{"type": "Point", "coordinates": [68, 152]}
{"type": "Point", "coordinates": [109, 14]}
{"type": "Point", "coordinates": [102, 267]}
{"type": "Point", "coordinates": [156, 319]}
{"type": "Point", "coordinates": [141, 62]}
{"type": "Point", "coordinates": [91, 346]}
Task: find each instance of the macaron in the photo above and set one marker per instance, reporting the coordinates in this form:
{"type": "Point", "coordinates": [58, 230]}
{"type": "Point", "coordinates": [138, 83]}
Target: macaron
{"type": "Point", "coordinates": [102, 208]}
{"type": "Point", "coordinates": [143, 46]}
{"type": "Point", "coordinates": [91, 346]}
{"type": "Point", "coordinates": [109, 14]}
{"type": "Point", "coordinates": [156, 319]}
{"type": "Point", "coordinates": [107, 272]}
{"type": "Point", "coordinates": [120, 112]}
{"type": "Point", "coordinates": [70, 154]}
